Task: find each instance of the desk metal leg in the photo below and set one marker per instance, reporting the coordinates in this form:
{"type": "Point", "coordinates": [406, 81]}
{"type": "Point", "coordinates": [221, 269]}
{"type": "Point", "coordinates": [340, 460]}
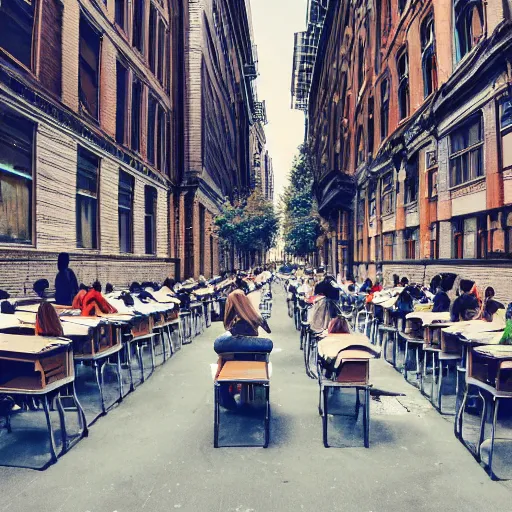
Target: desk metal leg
{"type": "Point", "coordinates": [216, 415]}
{"type": "Point", "coordinates": [51, 438]}
{"type": "Point", "coordinates": [267, 416]}
{"type": "Point", "coordinates": [98, 370]}
{"type": "Point", "coordinates": [495, 408]}
{"type": "Point", "coordinates": [325, 418]}
{"type": "Point", "coordinates": [119, 375]}
{"type": "Point", "coordinates": [366, 417]}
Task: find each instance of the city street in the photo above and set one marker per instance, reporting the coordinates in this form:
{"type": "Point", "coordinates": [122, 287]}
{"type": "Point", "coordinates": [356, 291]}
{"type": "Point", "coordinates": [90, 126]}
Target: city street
{"type": "Point", "coordinates": [154, 452]}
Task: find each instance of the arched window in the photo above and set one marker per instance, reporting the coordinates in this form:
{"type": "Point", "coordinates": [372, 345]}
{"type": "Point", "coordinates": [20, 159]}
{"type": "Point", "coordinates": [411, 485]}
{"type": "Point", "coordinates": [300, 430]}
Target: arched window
{"type": "Point", "coordinates": [469, 25]}
{"type": "Point", "coordinates": [384, 109]}
{"type": "Point", "coordinates": [428, 56]}
{"type": "Point", "coordinates": [360, 146]}
{"type": "Point", "coordinates": [401, 5]}
{"type": "Point", "coordinates": [402, 65]}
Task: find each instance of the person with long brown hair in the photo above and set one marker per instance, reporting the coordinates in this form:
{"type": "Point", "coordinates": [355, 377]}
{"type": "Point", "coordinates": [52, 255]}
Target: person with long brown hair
{"type": "Point", "coordinates": [241, 318]}
{"type": "Point", "coordinates": [48, 321]}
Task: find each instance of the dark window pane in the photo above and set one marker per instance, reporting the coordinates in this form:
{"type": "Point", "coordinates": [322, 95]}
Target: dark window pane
{"type": "Point", "coordinates": [153, 23]}
{"type": "Point", "coordinates": [16, 24]}
{"type": "Point", "coordinates": [121, 13]}
{"type": "Point", "coordinates": [151, 128]}
{"type": "Point", "coordinates": [161, 51]}
{"type": "Point", "coordinates": [121, 102]}
{"type": "Point", "coordinates": [150, 196]}
{"type": "Point", "coordinates": [87, 199]}
{"type": "Point", "coordinates": [136, 110]}
{"type": "Point", "coordinates": [89, 67]}
{"type": "Point", "coordinates": [125, 201]}
{"type": "Point", "coordinates": [138, 25]}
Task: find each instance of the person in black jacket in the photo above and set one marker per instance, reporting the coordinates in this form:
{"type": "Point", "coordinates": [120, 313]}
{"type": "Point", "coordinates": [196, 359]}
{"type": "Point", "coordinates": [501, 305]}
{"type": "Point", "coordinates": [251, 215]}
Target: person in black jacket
{"type": "Point", "coordinates": [328, 288]}
{"type": "Point", "coordinates": [66, 284]}
{"type": "Point", "coordinates": [465, 307]}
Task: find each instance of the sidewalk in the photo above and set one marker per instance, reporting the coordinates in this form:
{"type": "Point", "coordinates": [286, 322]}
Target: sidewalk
{"type": "Point", "coordinates": [154, 452]}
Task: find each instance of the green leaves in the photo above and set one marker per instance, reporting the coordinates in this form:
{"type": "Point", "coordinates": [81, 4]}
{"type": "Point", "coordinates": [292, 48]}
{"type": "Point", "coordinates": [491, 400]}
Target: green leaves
{"type": "Point", "coordinates": [248, 225]}
{"type": "Point", "coordinates": [301, 222]}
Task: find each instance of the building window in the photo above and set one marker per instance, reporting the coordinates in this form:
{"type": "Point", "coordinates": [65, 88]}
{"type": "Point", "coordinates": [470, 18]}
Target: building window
{"type": "Point", "coordinates": [153, 27]}
{"type": "Point", "coordinates": [372, 206]}
{"type": "Point", "coordinates": [125, 210]}
{"type": "Point", "coordinates": [360, 65]}
{"type": "Point", "coordinates": [468, 237]}
{"type": "Point", "coordinates": [90, 41]}
{"type": "Point", "coordinates": [16, 160]}
{"type": "Point", "coordinates": [389, 243]}
{"type": "Point", "coordinates": [402, 65]}
{"type": "Point", "coordinates": [482, 237]}
{"type": "Point", "coordinates": [458, 239]}
{"type": "Point", "coordinates": [136, 113]}
{"type": "Point", "coordinates": [507, 216]}
{"type": "Point", "coordinates": [428, 56]}
{"type": "Point", "coordinates": [150, 196]}
{"type": "Point", "coordinates": [378, 249]}
{"type": "Point", "coordinates": [202, 248]}
{"type": "Point", "coordinates": [121, 103]}
{"type": "Point", "coordinates": [387, 192]}
{"type": "Point", "coordinates": [432, 184]}
{"type": "Point", "coordinates": [401, 6]}
{"type": "Point", "coordinates": [434, 246]}
{"type": "Point", "coordinates": [505, 107]}
{"type": "Point", "coordinates": [161, 143]}
{"type": "Point", "coordinates": [371, 126]}
{"type": "Point", "coordinates": [360, 146]}
{"type": "Point", "coordinates": [152, 117]}
{"type": "Point", "coordinates": [138, 25]}
{"type": "Point", "coordinates": [411, 237]}
{"type": "Point", "coordinates": [360, 217]}
{"type": "Point", "coordinates": [412, 180]}
{"type": "Point", "coordinates": [162, 52]}
{"type": "Point", "coordinates": [386, 17]}
{"type": "Point", "coordinates": [121, 13]}
{"type": "Point", "coordinates": [16, 27]}
{"type": "Point", "coordinates": [506, 113]}
{"type": "Point", "coordinates": [384, 109]}
{"type": "Point", "coordinates": [469, 26]}
{"type": "Point", "coordinates": [466, 152]}
{"type": "Point", "coordinates": [87, 200]}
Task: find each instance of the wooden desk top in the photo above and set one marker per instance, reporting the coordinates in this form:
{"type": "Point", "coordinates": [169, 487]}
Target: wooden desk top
{"type": "Point", "coordinates": [429, 317]}
{"type": "Point", "coordinates": [244, 371]}
{"type": "Point", "coordinates": [30, 345]}
{"type": "Point", "coordinates": [495, 351]}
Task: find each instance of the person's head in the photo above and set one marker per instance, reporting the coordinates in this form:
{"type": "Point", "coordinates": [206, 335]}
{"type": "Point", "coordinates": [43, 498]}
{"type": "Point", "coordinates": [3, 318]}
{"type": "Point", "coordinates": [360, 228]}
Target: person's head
{"type": "Point", "coordinates": [351, 288]}
{"type": "Point", "coordinates": [329, 279]}
{"type": "Point", "coordinates": [338, 325]}
{"type": "Point", "coordinates": [48, 321]}
{"type": "Point", "coordinates": [396, 280]}
{"type": "Point", "coordinates": [97, 286]}
{"type": "Point", "coordinates": [239, 307]}
{"type": "Point", "coordinates": [63, 261]}
{"type": "Point", "coordinates": [311, 281]}
{"type": "Point", "coordinates": [40, 287]}
{"type": "Point", "coordinates": [84, 287]}
{"type": "Point", "coordinates": [368, 282]}
{"type": "Point", "coordinates": [466, 285]}
{"type": "Point", "coordinates": [169, 283]}
{"type": "Point", "coordinates": [404, 281]}
{"type": "Point", "coordinates": [135, 287]}
{"type": "Point", "coordinates": [109, 288]}
{"type": "Point", "coordinates": [489, 292]}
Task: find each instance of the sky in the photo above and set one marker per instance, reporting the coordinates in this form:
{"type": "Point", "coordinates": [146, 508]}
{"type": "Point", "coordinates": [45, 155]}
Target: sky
{"type": "Point", "coordinates": [274, 24]}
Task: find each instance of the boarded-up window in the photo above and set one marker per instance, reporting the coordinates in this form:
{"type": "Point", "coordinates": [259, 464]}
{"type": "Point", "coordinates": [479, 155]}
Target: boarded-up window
{"type": "Point", "coordinates": [150, 196]}
{"type": "Point", "coordinates": [138, 25]}
{"type": "Point", "coordinates": [389, 244]}
{"type": "Point", "coordinates": [50, 64]}
{"type": "Point", "coordinates": [125, 210]}
{"type": "Point", "coordinates": [16, 156]}
{"type": "Point", "coordinates": [89, 68]}
{"type": "Point", "coordinates": [121, 102]}
{"type": "Point", "coordinates": [16, 26]}
{"type": "Point", "coordinates": [136, 113]}
{"type": "Point", "coordinates": [87, 200]}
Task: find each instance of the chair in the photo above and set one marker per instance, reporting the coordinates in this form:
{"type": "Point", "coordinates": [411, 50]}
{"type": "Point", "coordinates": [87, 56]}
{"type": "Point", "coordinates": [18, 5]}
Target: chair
{"type": "Point", "coordinates": [246, 369]}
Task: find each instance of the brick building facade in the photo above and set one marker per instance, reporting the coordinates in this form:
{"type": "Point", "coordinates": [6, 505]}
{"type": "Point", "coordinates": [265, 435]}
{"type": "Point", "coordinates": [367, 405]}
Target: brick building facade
{"type": "Point", "coordinates": [89, 117]}
{"type": "Point", "coordinates": [221, 66]}
{"type": "Point", "coordinates": [410, 116]}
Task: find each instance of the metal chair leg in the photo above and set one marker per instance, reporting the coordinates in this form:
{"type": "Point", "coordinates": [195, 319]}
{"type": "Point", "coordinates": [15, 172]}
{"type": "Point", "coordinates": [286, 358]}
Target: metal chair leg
{"type": "Point", "coordinates": [483, 421]}
{"type": "Point", "coordinates": [119, 375]}
{"type": "Point", "coordinates": [496, 404]}
{"type": "Point", "coordinates": [440, 388]}
{"type": "Point", "coordinates": [216, 417]}
{"type": "Point", "coordinates": [99, 381]}
{"type": "Point", "coordinates": [366, 417]}
{"type": "Point", "coordinates": [267, 417]}
{"type": "Point", "coordinates": [324, 417]}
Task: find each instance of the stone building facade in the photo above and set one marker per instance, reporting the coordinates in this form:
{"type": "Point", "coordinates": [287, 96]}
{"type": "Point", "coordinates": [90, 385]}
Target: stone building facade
{"type": "Point", "coordinates": [410, 125]}
{"type": "Point", "coordinates": [90, 120]}
{"type": "Point", "coordinates": [221, 67]}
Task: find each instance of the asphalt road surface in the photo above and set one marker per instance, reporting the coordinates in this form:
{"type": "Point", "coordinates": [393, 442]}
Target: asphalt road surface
{"type": "Point", "coordinates": [154, 452]}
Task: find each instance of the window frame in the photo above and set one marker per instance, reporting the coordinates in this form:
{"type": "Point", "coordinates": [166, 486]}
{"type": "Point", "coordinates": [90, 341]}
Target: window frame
{"type": "Point", "coordinates": [403, 90]}
{"type": "Point", "coordinates": [386, 238]}
{"type": "Point", "coordinates": [428, 51]}
{"type": "Point", "coordinates": [387, 191]}
{"type": "Point", "coordinates": [32, 178]}
{"type": "Point", "coordinates": [465, 7]}
{"type": "Point", "coordinates": [384, 108]}
{"type": "Point", "coordinates": [90, 195]}
{"type": "Point", "coordinates": [128, 177]}
{"type": "Point", "coordinates": [464, 128]}
{"type": "Point", "coordinates": [135, 136]}
{"type": "Point", "coordinates": [411, 242]}
{"type": "Point", "coordinates": [152, 217]}
{"type": "Point", "coordinates": [135, 44]}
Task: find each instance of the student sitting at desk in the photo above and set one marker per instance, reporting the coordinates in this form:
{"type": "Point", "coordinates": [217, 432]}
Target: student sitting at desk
{"type": "Point", "coordinates": [94, 302]}
{"type": "Point", "coordinates": [490, 305]}
{"type": "Point", "coordinates": [66, 284]}
{"type": "Point", "coordinates": [48, 321]}
{"type": "Point", "coordinates": [465, 307]}
{"type": "Point", "coordinates": [241, 321]}
{"type": "Point", "coordinates": [441, 301]}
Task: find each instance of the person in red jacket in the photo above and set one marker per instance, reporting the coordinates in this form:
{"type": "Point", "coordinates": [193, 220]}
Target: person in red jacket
{"type": "Point", "coordinates": [94, 303]}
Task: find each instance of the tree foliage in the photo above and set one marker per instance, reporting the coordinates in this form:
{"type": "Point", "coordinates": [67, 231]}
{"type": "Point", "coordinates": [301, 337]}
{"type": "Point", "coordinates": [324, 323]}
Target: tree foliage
{"type": "Point", "coordinates": [249, 225]}
{"type": "Point", "coordinates": [301, 222]}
